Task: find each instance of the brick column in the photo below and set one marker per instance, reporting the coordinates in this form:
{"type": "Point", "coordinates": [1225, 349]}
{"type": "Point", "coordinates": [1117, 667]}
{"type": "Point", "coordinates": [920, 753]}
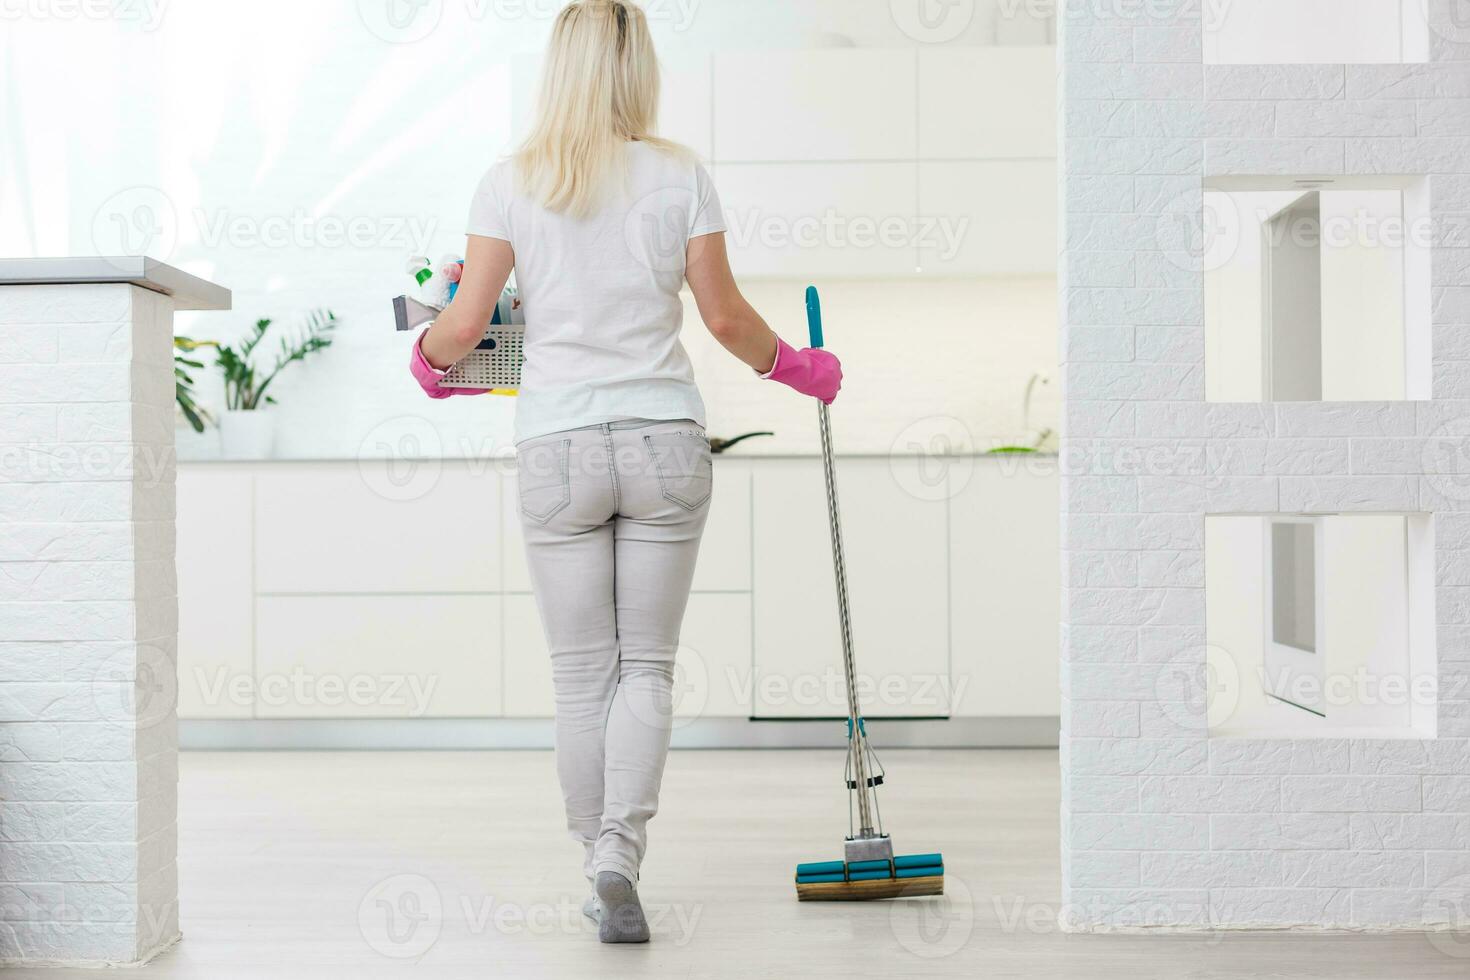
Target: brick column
{"type": "Point", "coordinates": [88, 613]}
{"type": "Point", "coordinates": [1164, 826]}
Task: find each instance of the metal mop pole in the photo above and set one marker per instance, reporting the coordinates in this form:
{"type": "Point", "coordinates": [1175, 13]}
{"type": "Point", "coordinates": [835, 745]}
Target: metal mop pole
{"type": "Point", "coordinates": [857, 741]}
{"type": "Point", "coordinates": [868, 842]}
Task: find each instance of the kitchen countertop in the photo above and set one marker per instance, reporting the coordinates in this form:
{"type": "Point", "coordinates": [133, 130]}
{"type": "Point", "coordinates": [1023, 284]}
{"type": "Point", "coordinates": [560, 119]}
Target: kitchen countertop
{"type": "Point", "coordinates": [508, 457]}
{"type": "Point", "coordinates": [188, 292]}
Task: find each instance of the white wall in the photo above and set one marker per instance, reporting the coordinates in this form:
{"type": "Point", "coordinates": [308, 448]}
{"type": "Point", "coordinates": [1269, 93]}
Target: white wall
{"type": "Point", "coordinates": [1164, 825]}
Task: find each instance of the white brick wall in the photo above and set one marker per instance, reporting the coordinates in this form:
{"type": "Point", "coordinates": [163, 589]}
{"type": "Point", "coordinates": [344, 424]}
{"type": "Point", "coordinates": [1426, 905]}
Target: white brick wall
{"type": "Point", "coordinates": [1163, 826]}
{"type": "Point", "coordinates": [88, 620]}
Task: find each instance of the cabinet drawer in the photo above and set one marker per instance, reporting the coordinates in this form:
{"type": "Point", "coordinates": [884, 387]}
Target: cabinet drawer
{"type": "Point", "coordinates": [377, 656]}
{"type": "Point", "coordinates": [1015, 119]}
{"type": "Point", "coordinates": [990, 218]}
{"type": "Point", "coordinates": [848, 220]}
{"type": "Point", "coordinates": [809, 104]}
{"type": "Point", "coordinates": [896, 553]}
{"type": "Point", "coordinates": [1005, 610]}
{"type": "Point", "coordinates": [215, 601]}
{"type": "Point", "coordinates": [370, 528]}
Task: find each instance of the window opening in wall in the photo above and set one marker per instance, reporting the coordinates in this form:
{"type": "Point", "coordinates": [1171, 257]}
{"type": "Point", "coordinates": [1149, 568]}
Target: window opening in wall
{"type": "Point", "coordinates": [1320, 625]}
{"type": "Point", "coordinates": [1317, 289]}
{"type": "Point", "coordinates": [1274, 32]}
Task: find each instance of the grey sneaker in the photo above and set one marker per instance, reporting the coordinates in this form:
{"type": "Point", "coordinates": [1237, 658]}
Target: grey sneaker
{"type": "Point", "coordinates": [622, 918]}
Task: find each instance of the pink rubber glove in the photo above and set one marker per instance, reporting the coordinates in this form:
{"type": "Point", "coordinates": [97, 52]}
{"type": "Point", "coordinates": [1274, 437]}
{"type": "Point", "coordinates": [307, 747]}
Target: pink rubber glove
{"type": "Point", "coordinates": [810, 371]}
{"type": "Point", "coordinates": [428, 376]}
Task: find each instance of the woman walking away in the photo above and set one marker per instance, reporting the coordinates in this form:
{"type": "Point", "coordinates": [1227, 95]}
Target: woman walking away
{"type": "Point", "coordinates": [603, 223]}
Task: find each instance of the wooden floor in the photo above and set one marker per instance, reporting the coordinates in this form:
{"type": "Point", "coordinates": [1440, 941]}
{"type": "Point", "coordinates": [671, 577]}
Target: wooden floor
{"type": "Point", "coordinates": [370, 865]}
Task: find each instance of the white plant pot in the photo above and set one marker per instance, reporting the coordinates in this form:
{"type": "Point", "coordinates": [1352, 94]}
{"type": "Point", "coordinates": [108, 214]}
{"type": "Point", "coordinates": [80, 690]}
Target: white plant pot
{"type": "Point", "coordinates": [246, 435]}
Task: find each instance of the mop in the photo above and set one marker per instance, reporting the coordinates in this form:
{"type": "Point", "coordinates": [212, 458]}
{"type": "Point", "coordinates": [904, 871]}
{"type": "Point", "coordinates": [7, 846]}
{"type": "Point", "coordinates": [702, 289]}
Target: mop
{"type": "Point", "coordinates": [869, 869]}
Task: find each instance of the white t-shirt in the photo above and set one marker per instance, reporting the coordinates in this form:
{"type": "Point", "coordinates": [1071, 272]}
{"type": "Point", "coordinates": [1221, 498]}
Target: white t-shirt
{"type": "Point", "coordinates": [601, 294]}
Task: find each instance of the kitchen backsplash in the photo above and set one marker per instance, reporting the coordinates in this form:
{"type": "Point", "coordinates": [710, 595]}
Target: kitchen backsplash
{"type": "Point", "coordinates": [929, 365]}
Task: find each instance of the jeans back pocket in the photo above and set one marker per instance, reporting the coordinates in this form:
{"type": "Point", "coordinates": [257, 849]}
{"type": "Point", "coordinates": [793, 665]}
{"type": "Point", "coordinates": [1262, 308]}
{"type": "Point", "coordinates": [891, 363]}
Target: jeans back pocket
{"type": "Point", "coordinates": [543, 477]}
{"type": "Point", "coordinates": [684, 467]}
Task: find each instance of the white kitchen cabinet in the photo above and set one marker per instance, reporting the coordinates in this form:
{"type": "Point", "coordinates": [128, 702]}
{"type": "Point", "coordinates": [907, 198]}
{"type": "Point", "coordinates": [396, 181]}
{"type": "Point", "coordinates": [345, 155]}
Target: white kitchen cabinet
{"type": "Point", "coordinates": [988, 218]}
{"type": "Point", "coordinates": [527, 664]}
{"type": "Point", "coordinates": [987, 103]}
{"type": "Point", "coordinates": [216, 643]}
{"type": "Point", "coordinates": [1029, 25]}
{"type": "Point", "coordinates": [874, 162]}
{"type": "Point", "coordinates": [804, 104]}
{"type": "Point", "coordinates": [713, 671]}
{"type": "Point", "coordinates": [712, 668]}
{"type": "Point", "coordinates": [373, 527]}
{"type": "Point", "coordinates": [724, 555]}
{"type": "Point", "coordinates": [956, 595]}
{"type": "Point", "coordinates": [1005, 587]}
{"type": "Point", "coordinates": [811, 220]}
{"type": "Point", "coordinates": [515, 575]}
{"type": "Point", "coordinates": [381, 656]}
{"type": "Point", "coordinates": [896, 560]}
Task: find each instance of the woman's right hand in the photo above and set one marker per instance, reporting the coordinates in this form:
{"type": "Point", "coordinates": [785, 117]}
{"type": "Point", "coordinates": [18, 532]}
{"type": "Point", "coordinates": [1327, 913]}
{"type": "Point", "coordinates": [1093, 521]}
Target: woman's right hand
{"type": "Point", "coordinates": [429, 376]}
{"type": "Point", "coordinates": [811, 371]}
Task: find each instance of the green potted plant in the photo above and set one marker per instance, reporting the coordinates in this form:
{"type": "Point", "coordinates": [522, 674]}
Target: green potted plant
{"type": "Point", "coordinates": [189, 408]}
{"type": "Point", "coordinates": [246, 431]}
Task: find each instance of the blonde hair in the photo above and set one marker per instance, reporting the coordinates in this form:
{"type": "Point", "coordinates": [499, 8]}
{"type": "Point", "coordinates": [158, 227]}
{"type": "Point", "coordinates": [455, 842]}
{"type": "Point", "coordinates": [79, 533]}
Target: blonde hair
{"type": "Point", "coordinates": [599, 90]}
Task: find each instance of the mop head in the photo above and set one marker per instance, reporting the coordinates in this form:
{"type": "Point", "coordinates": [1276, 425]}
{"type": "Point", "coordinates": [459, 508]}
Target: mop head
{"type": "Point", "coordinates": [906, 876]}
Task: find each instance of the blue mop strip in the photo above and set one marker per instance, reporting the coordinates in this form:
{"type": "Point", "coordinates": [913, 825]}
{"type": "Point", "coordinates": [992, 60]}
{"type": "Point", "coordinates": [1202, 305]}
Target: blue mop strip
{"type": "Point", "coordinates": [821, 868]}
{"type": "Point", "coordinates": [933, 870]}
{"type": "Point", "coordinates": [807, 879]}
{"type": "Point", "coordinates": [868, 866]}
{"type": "Point", "coordinates": [869, 875]}
{"type": "Point", "coordinates": [917, 860]}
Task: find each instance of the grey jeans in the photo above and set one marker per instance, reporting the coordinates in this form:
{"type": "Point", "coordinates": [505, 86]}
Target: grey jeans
{"type": "Point", "coordinates": [613, 515]}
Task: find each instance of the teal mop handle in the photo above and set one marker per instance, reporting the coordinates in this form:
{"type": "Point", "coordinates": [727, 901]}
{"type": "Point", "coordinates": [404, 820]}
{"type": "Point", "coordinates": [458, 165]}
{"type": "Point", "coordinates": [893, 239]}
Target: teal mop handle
{"type": "Point", "coordinates": [857, 736]}
{"type": "Point", "coordinates": [814, 316]}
